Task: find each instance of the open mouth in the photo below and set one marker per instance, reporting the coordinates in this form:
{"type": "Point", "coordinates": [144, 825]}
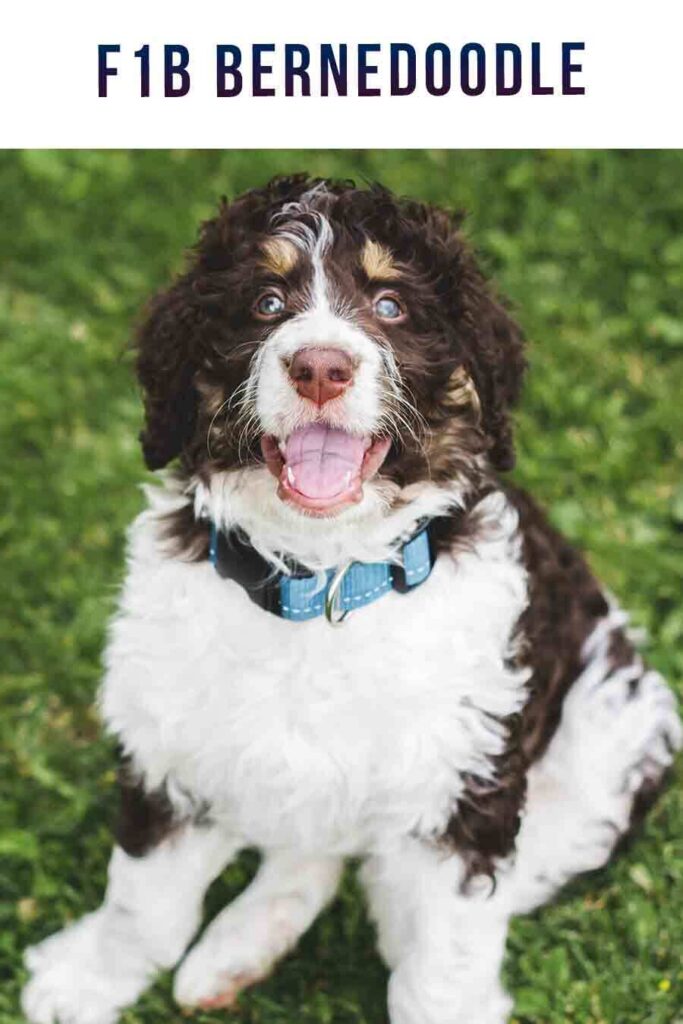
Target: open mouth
{"type": "Point", "coordinates": [322, 469]}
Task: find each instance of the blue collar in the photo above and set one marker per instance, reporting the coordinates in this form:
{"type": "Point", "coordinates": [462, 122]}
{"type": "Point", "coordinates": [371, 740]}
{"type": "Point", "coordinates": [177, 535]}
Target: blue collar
{"type": "Point", "coordinates": [301, 595]}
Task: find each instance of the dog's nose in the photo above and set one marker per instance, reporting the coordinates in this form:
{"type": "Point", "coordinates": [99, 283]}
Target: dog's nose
{"type": "Point", "coordinates": [321, 373]}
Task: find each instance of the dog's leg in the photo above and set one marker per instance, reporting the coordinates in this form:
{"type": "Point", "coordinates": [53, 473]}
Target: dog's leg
{"type": "Point", "coordinates": [87, 973]}
{"type": "Point", "coordinates": [261, 925]}
{"type": "Point", "coordinates": [618, 734]}
{"type": "Point", "coordinates": [445, 948]}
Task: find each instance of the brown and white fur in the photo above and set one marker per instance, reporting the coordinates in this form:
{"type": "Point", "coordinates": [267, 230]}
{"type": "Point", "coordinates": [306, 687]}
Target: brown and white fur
{"type": "Point", "coordinates": [476, 742]}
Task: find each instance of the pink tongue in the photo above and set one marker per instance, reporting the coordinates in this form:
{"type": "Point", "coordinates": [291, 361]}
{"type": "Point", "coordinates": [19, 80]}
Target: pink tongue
{"type": "Point", "coordinates": [322, 461]}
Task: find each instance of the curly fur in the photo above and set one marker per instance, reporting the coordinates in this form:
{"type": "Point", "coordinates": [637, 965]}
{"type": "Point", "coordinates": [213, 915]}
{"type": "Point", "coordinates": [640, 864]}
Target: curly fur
{"type": "Point", "coordinates": [494, 733]}
{"type": "Point", "coordinates": [197, 334]}
{"type": "Point", "coordinates": [460, 362]}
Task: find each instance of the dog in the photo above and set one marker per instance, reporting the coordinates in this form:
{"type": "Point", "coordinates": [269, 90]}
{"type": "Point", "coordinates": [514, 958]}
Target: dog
{"type": "Point", "coordinates": [343, 632]}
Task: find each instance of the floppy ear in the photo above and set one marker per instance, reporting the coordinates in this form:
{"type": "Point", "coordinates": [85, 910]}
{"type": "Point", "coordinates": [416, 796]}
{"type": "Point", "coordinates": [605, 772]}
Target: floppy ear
{"type": "Point", "coordinates": [487, 342]}
{"type": "Point", "coordinates": [166, 365]}
{"type": "Point", "coordinates": [497, 365]}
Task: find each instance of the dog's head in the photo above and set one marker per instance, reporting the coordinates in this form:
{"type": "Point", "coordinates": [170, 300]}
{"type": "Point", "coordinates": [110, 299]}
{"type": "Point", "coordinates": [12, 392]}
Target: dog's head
{"type": "Point", "coordinates": [342, 336]}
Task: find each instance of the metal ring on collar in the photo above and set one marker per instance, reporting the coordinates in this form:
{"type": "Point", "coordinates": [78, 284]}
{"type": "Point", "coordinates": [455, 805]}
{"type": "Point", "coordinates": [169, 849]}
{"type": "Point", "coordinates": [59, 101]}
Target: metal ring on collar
{"type": "Point", "coordinates": [334, 615]}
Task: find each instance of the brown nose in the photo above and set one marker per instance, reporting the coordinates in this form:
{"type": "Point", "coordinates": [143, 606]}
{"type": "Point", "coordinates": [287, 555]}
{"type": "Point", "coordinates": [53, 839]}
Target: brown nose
{"type": "Point", "coordinates": [321, 373]}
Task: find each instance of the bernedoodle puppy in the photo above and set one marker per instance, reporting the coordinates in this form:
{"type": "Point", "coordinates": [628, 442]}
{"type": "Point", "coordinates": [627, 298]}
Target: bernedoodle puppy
{"type": "Point", "coordinates": [341, 633]}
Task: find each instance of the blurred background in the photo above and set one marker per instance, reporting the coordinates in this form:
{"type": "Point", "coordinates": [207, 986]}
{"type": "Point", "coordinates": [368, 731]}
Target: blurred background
{"type": "Point", "coordinates": [589, 248]}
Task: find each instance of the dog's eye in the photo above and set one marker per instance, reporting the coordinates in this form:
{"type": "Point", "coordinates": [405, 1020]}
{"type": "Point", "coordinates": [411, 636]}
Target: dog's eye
{"type": "Point", "coordinates": [388, 307]}
{"type": "Point", "coordinates": [269, 305]}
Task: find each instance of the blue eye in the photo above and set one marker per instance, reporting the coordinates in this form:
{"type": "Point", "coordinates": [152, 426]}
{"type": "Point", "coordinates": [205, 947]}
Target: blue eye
{"type": "Point", "coordinates": [269, 305]}
{"type": "Point", "coordinates": [387, 307]}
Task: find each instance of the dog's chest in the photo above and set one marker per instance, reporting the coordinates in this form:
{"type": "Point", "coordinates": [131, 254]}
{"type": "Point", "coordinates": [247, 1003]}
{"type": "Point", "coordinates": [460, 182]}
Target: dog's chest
{"type": "Point", "coordinates": [308, 734]}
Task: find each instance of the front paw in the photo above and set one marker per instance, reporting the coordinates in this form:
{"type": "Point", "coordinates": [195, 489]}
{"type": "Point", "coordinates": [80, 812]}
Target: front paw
{"type": "Point", "coordinates": [417, 997]}
{"type": "Point", "coordinates": [238, 949]}
{"type": "Point", "coordinates": [70, 983]}
{"type": "Point", "coordinates": [215, 972]}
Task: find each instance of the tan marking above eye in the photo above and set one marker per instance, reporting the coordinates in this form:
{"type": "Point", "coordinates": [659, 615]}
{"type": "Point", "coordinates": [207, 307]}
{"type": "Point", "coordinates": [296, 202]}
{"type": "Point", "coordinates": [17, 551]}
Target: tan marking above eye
{"type": "Point", "coordinates": [378, 262]}
{"type": "Point", "coordinates": [279, 255]}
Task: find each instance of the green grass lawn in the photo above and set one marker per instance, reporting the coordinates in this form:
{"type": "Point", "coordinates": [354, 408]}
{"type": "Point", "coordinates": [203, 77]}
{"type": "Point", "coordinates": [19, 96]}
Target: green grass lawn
{"type": "Point", "coordinates": [589, 247]}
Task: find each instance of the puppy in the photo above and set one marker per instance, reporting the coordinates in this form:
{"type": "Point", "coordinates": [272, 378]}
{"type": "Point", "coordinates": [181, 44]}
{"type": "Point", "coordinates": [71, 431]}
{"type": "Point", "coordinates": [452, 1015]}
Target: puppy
{"type": "Point", "coordinates": [341, 634]}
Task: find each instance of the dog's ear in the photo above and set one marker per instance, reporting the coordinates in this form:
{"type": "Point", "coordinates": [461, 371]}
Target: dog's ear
{"type": "Point", "coordinates": [487, 343]}
{"type": "Point", "coordinates": [171, 340]}
{"type": "Point", "coordinates": [486, 336]}
{"type": "Point", "coordinates": [497, 365]}
{"type": "Point", "coordinates": [167, 349]}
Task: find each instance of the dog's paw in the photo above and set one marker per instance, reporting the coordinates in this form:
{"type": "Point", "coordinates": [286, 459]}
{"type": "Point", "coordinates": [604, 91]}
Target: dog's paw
{"type": "Point", "coordinates": [68, 984]}
{"type": "Point", "coordinates": [212, 983]}
{"type": "Point", "coordinates": [238, 949]}
{"type": "Point", "coordinates": [415, 1000]}
{"type": "Point", "coordinates": [216, 990]}
{"type": "Point", "coordinates": [622, 730]}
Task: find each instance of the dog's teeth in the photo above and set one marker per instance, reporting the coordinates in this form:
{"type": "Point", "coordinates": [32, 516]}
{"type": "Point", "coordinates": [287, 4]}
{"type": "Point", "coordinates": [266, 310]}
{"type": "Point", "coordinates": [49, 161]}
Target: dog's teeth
{"type": "Point", "coordinates": [281, 446]}
{"type": "Point", "coordinates": [290, 475]}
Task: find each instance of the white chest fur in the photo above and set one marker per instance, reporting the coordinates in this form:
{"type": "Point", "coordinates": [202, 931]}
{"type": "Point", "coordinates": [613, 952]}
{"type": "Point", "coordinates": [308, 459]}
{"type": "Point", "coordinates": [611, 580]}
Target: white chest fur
{"type": "Point", "coordinates": [305, 734]}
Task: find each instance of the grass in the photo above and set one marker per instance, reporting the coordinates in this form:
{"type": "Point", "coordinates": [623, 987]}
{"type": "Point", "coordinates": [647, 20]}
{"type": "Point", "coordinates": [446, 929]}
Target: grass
{"type": "Point", "coordinates": [589, 246]}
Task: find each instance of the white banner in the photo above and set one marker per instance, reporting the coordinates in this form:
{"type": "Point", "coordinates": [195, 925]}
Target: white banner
{"type": "Point", "coordinates": [356, 74]}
